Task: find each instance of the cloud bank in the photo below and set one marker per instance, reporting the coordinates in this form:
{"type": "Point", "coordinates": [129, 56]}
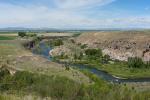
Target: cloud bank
{"type": "Point", "coordinates": [65, 14]}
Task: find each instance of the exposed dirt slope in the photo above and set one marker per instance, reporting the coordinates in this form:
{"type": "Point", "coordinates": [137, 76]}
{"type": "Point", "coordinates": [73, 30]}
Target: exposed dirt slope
{"type": "Point", "coordinates": [119, 45]}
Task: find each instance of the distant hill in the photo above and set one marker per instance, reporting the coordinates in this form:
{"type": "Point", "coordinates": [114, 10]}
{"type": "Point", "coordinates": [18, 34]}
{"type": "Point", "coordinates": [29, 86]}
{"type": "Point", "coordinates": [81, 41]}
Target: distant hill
{"type": "Point", "coordinates": [17, 29]}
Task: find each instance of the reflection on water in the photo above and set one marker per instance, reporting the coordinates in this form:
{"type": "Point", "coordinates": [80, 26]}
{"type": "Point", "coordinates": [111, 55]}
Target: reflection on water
{"type": "Point", "coordinates": [43, 50]}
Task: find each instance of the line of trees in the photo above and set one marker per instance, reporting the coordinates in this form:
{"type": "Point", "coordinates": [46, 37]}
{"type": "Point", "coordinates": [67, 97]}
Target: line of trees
{"type": "Point", "coordinates": [136, 62]}
{"type": "Point", "coordinates": [57, 42]}
{"type": "Point", "coordinates": [23, 34]}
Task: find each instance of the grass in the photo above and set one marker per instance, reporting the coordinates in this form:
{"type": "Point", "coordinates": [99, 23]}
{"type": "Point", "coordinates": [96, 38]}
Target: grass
{"type": "Point", "coordinates": [122, 70]}
{"type": "Point", "coordinates": [7, 37]}
{"type": "Point", "coordinates": [60, 88]}
{"type": "Point", "coordinates": [22, 59]}
{"type": "Point", "coordinates": [39, 79]}
{"type": "Point", "coordinates": [38, 84]}
{"type": "Point", "coordinates": [119, 69]}
{"type": "Point", "coordinates": [8, 32]}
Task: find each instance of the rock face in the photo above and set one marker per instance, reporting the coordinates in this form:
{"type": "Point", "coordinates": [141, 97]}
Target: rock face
{"type": "Point", "coordinates": [146, 55]}
{"type": "Point", "coordinates": [119, 45]}
{"type": "Point", "coordinates": [59, 51]}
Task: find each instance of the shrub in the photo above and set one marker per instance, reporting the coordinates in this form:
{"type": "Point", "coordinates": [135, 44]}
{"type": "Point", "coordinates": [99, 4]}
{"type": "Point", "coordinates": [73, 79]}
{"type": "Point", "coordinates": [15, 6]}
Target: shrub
{"type": "Point", "coordinates": [77, 34]}
{"type": "Point", "coordinates": [147, 64]}
{"type": "Point", "coordinates": [57, 42]}
{"type": "Point", "coordinates": [83, 46]}
{"type": "Point", "coordinates": [72, 40]}
{"type": "Point", "coordinates": [93, 53]}
{"type": "Point", "coordinates": [80, 56]}
{"type": "Point", "coordinates": [105, 59]}
{"type": "Point", "coordinates": [32, 35]}
{"type": "Point", "coordinates": [4, 72]}
{"type": "Point", "coordinates": [22, 34]}
{"type": "Point", "coordinates": [135, 62]}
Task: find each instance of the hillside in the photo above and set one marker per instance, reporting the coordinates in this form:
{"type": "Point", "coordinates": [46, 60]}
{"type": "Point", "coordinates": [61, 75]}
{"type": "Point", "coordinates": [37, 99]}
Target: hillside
{"type": "Point", "coordinates": [119, 45]}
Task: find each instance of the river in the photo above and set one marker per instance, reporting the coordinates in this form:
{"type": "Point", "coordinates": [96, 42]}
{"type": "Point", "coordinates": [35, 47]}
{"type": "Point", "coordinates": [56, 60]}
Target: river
{"type": "Point", "coordinates": [43, 50]}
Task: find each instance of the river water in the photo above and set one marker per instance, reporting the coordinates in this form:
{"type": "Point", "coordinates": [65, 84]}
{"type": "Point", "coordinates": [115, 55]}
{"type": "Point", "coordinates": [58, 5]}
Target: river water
{"type": "Point", "coordinates": [43, 50]}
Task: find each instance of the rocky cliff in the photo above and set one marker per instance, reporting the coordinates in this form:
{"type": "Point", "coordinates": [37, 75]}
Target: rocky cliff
{"type": "Point", "coordinates": [119, 45]}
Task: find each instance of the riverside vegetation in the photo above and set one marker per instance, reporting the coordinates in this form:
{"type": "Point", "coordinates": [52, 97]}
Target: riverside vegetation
{"type": "Point", "coordinates": [135, 67]}
{"type": "Point", "coordinates": [30, 84]}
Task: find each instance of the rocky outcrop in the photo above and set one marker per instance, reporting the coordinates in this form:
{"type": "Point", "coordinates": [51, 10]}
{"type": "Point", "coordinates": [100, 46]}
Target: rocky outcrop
{"type": "Point", "coordinates": [7, 69]}
{"type": "Point", "coordinates": [146, 55]}
{"type": "Point", "coordinates": [59, 51]}
{"type": "Point", "coordinates": [119, 45]}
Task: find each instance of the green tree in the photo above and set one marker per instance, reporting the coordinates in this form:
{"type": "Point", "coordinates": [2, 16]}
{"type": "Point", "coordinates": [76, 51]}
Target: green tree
{"type": "Point", "coordinates": [80, 56]}
{"type": "Point", "coordinates": [135, 62]}
{"type": "Point", "coordinates": [22, 34]}
{"type": "Point", "coordinates": [105, 58]}
{"type": "Point", "coordinates": [93, 53]}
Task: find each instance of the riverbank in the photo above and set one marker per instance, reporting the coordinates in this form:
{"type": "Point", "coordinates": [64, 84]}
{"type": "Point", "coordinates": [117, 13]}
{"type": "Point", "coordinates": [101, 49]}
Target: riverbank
{"type": "Point", "coordinates": [119, 69]}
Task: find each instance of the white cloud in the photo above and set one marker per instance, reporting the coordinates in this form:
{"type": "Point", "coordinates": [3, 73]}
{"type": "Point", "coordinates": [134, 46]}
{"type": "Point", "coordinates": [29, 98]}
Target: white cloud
{"type": "Point", "coordinates": [64, 16]}
{"type": "Point", "coordinates": [68, 4]}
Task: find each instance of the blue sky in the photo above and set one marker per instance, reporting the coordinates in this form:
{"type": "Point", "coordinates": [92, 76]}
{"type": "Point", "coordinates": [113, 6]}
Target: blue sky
{"type": "Point", "coordinates": [75, 13]}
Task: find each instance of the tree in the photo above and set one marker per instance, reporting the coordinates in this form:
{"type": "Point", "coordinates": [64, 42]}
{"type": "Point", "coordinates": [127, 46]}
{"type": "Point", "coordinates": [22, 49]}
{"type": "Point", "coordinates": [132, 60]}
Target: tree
{"type": "Point", "coordinates": [80, 56]}
{"type": "Point", "coordinates": [56, 42]}
{"type": "Point", "coordinates": [147, 64]}
{"type": "Point", "coordinates": [106, 58]}
{"type": "Point", "coordinates": [75, 56]}
{"type": "Point", "coordinates": [22, 34]}
{"type": "Point", "coordinates": [31, 35]}
{"type": "Point", "coordinates": [67, 66]}
{"type": "Point", "coordinates": [135, 62]}
{"type": "Point", "coordinates": [96, 53]}
{"type": "Point", "coordinates": [83, 46]}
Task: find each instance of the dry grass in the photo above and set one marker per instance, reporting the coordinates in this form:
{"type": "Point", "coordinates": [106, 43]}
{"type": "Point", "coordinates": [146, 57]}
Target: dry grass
{"type": "Point", "coordinates": [7, 34]}
{"type": "Point", "coordinates": [56, 34]}
{"type": "Point", "coordinates": [23, 59]}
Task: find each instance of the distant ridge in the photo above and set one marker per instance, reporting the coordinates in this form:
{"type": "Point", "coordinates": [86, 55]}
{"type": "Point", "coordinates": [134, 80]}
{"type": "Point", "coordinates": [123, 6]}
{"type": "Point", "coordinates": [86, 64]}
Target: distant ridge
{"type": "Point", "coordinates": [18, 29]}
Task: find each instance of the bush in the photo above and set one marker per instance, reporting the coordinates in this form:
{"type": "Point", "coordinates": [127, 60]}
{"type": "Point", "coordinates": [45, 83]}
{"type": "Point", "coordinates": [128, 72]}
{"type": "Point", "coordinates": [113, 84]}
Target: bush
{"type": "Point", "coordinates": [72, 40]}
{"type": "Point", "coordinates": [3, 72]}
{"type": "Point", "coordinates": [61, 88]}
{"type": "Point", "coordinates": [147, 64]}
{"type": "Point", "coordinates": [105, 59]}
{"type": "Point", "coordinates": [45, 86]}
{"type": "Point", "coordinates": [135, 62]}
{"type": "Point", "coordinates": [57, 42]}
{"type": "Point", "coordinates": [83, 46]}
{"type": "Point", "coordinates": [32, 35]}
{"type": "Point", "coordinates": [93, 53]}
{"type": "Point", "coordinates": [22, 34]}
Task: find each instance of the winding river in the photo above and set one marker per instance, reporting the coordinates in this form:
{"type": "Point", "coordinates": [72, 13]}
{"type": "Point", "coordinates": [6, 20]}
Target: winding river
{"type": "Point", "coordinates": [43, 50]}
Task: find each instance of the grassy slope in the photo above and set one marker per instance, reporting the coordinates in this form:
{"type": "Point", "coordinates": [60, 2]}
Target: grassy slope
{"type": "Point", "coordinates": [12, 52]}
{"type": "Point", "coordinates": [18, 57]}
